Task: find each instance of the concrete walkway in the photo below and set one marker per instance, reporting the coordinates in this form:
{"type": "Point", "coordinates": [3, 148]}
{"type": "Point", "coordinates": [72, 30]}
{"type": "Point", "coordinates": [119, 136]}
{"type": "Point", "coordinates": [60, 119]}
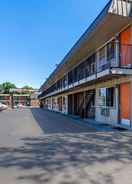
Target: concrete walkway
{"type": "Point", "coordinates": [40, 147]}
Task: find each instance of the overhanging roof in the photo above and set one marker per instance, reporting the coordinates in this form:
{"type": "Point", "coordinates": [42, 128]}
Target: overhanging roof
{"type": "Point", "coordinates": [114, 17]}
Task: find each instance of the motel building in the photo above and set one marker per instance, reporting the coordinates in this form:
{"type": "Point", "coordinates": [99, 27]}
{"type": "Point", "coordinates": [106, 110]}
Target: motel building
{"type": "Point", "coordinates": [19, 96]}
{"type": "Point", "coordinates": [94, 80]}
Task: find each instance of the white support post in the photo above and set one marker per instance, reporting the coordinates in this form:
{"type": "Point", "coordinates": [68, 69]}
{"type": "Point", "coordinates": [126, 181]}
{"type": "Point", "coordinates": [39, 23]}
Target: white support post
{"type": "Point", "coordinates": [117, 53]}
{"type": "Point", "coordinates": [51, 103]}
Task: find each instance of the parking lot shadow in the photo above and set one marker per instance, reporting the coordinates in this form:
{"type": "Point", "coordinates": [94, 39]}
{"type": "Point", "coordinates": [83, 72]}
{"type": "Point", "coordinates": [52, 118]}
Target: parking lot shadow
{"type": "Point", "coordinates": [66, 153]}
{"type": "Point", "coordinates": [51, 122]}
{"type": "Point", "coordinates": [70, 157]}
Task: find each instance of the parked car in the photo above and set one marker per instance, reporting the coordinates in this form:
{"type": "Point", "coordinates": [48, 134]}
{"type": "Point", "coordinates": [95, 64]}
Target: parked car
{"type": "Point", "coordinates": [3, 107]}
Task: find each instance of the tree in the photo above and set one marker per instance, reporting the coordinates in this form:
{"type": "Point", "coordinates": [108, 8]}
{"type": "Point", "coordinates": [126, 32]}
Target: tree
{"type": "Point", "coordinates": [7, 86]}
{"type": "Point", "coordinates": [27, 87]}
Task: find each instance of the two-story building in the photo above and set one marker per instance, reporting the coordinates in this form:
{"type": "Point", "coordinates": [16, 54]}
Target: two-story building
{"type": "Point", "coordinates": [94, 80]}
{"type": "Point", "coordinates": [19, 96]}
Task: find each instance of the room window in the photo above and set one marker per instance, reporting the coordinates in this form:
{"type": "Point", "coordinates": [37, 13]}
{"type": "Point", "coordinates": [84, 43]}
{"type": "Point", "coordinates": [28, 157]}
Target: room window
{"type": "Point", "coordinates": [64, 101]}
{"type": "Point", "coordinates": [87, 70]}
{"type": "Point", "coordinates": [92, 68]}
{"type": "Point", "coordinates": [107, 96]}
{"type": "Point", "coordinates": [70, 77]}
{"type": "Point", "coordinates": [81, 71]}
{"type": "Point", "coordinates": [102, 62]}
{"type": "Point", "coordinates": [102, 54]}
{"type": "Point", "coordinates": [110, 51]}
{"type": "Point", "coordinates": [110, 97]}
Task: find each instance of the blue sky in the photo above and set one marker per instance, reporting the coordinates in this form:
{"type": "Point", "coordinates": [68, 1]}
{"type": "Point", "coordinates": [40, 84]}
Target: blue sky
{"type": "Point", "coordinates": [35, 35]}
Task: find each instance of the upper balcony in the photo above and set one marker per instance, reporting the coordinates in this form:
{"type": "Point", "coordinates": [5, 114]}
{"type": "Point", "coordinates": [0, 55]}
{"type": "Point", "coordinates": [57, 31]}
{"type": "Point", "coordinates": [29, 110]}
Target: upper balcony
{"type": "Point", "coordinates": [114, 59]}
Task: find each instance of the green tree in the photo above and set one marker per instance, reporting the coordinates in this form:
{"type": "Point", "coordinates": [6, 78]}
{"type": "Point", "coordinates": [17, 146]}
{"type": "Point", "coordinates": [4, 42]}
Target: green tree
{"type": "Point", "coordinates": [6, 86]}
{"type": "Point", "coordinates": [27, 87]}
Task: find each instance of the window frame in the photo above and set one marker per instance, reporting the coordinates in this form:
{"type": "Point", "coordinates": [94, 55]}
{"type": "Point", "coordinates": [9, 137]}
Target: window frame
{"type": "Point", "coordinates": [108, 97]}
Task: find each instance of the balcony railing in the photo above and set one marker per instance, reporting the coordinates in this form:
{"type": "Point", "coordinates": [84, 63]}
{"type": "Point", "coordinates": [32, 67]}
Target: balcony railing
{"type": "Point", "coordinates": [116, 55]}
{"type": "Point", "coordinates": [120, 57]}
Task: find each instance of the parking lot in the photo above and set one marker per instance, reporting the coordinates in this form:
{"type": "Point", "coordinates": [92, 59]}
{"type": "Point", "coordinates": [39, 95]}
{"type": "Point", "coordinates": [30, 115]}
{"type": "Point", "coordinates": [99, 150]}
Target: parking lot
{"type": "Point", "coordinates": [38, 146]}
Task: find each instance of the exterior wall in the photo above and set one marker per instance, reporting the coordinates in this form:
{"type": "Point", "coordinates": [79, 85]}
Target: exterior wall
{"type": "Point", "coordinates": [34, 103]}
{"type": "Point", "coordinates": [54, 104]}
{"type": "Point", "coordinates": [112, 118]}
{"type": "Point", "coordinates": [21, 99]}
{"type": "Point", "coordinates": [65, 105]}
{"type": "Point", "coordinates": [125, 49]}
{"type": "Point", "coordinates": [125, 103]}
{"type": "Point", "coordinates": [113, 112]}
{"type": "Point", "coordinates": [51, 103]}
{"type": "Point", "coordinates": [17, 99]}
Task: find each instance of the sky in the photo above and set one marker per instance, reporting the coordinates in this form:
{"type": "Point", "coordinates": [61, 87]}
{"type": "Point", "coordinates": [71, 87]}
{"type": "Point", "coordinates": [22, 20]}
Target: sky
{"type": "Point", "coordinates": [35, 35]}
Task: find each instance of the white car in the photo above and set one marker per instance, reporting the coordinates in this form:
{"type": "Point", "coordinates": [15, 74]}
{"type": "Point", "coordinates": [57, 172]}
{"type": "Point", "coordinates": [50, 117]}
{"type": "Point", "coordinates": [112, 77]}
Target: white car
{"type": "Point", "coordinates": [3, 107]}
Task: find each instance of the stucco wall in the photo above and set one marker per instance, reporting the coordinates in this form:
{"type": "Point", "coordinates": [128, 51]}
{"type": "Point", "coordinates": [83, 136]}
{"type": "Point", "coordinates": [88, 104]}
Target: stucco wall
{"type": "Point", "coordinates": [113, 111]}
{"type": "Point", "coordinates": [65, 106]}
{"type": "Point", "coordinates": [52, 104]}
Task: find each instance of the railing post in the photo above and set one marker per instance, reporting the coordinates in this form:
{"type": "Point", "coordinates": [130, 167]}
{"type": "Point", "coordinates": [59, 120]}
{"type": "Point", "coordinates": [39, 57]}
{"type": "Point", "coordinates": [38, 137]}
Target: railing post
{"type": "Point", "coordinates": [67, 80]}
{"type": "Point", "coordinates": [96, 62]}
{"type": "Point", "coordinates": [117, 53]}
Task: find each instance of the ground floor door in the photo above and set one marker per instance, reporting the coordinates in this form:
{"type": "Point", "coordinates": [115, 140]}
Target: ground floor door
{"type": "Point", "coordinates": [90, 104]}
{"type": "Point", "coordinates": [70, 104]}
{"type": "Point", "coordinates": [125, 103]}
{"type": "Point", "coordinates": [79, 104]}
{"type": "Point", "coordinates": [60, 104]}
{"type": "Point", "coordinates": [82, 104]}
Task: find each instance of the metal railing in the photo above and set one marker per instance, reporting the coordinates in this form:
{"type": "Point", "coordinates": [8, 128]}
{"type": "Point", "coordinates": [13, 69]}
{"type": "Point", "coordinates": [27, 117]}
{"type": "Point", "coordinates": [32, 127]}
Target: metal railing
{"type": "Point", "coordinates": [118, 56]}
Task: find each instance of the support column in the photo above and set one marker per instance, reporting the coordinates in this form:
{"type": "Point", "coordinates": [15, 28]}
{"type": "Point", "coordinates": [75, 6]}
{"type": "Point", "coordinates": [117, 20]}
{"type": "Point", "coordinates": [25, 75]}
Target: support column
{"type": "Point", "coordinates": [117, 53]}
{"type": "Point", "coordinates": [51, 103]}
{"type": "Point", "coordinates": [67, 80]}
{"type": "Point", "coordinates": [84, 96]}
{"type": "Point", "coordinates": [97, 63]}
{"type": "Point", "coordinates": [72, 104]}
{"type": "Point", "coordinates": [118, 102]}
